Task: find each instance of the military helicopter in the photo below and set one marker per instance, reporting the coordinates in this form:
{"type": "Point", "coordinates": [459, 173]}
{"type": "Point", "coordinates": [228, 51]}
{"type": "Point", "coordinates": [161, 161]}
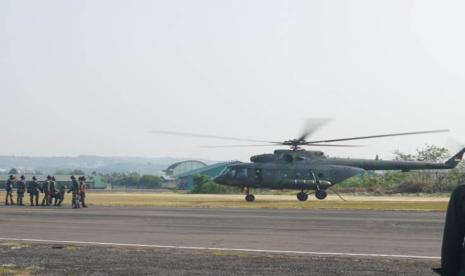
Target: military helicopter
{"type": "Point", "coordinates": [304, 170]}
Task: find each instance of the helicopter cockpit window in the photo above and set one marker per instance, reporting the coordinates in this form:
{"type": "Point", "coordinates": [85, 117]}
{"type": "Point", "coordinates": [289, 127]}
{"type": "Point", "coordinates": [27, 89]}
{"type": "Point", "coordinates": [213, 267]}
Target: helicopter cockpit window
{"type": "Point", "coordinates": [235, 173]}
{"type": "Point", "coordinates": [229, 172]}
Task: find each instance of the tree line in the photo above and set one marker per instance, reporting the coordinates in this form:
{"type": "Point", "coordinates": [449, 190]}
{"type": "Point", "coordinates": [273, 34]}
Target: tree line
{"type": "Point", "coordinates": [133, 180]}
{"type": "Point", "coordinates": [429, 181]}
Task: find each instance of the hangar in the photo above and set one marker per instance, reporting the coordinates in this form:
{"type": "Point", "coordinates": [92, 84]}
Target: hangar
{"type": "Point", "coordinates": [183, 167]}
{"type": "Point", "coordinates": [184, 178]}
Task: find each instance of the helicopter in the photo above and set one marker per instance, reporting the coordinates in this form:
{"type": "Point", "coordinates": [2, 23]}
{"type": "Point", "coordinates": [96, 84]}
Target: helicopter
{"type": "Point", "coordinates": [309, 170]}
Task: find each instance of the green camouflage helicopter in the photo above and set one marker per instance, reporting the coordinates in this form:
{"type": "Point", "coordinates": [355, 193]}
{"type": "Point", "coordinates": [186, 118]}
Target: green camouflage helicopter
{"type": "Point", "coordinates": [305, 170]}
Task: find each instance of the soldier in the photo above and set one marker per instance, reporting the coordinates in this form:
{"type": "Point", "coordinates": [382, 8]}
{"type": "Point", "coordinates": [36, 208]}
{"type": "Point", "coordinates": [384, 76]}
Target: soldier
{"type": "Point", "coordinates": [82, 190]}
{"type": "Point", "coordinates": [52, 189]}
{"type": "Point", "coordinates": [75, 189]}
{"type": "Point", "coordinates": [9, 190]}
{"type": "Point", "coordinates": [33, 189]}
{"type": "Point", "coordinates": [20, 190]}
{"type": "Point", "coordinates": [46, 191]}
{"type": "Point", "coordinates": [60, 196]}
{"type": "Point", "coordinates": [453, 251]}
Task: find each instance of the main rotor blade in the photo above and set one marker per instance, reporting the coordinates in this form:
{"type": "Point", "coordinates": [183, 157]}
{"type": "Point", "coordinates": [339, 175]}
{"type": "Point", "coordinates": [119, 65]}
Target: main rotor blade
{"type": "Point", "coordinates": [274, 145]}
{"type": "Point", "coordinates": [332, 145]}
{"type": "Point", "coordinates": [311, 126]}
{"type": "Point", "coordinates": [377, 136]}
{"type": "Point", "coordinates": [188, 134]}
{"type": "Point", "coordinates": [241, 146]}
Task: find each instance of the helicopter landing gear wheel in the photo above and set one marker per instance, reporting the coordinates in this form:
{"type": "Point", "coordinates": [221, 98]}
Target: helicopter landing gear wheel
{"type": "Point", "coordinates": [302, 196]}
{"type": "Point", "coordinates": [320, 194]}
{"type": "Point", "coordinates": [249, 197]}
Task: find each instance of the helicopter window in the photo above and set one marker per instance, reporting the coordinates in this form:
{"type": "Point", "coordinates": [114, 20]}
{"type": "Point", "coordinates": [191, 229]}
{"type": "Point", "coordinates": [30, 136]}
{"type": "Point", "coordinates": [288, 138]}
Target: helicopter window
{"type": "Point", "coordinates": [241, 173]}
{"type": "Point", "coordinates": [229, 173]}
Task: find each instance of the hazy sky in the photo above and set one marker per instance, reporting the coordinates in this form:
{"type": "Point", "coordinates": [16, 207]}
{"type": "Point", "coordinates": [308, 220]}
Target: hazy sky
{"type": "Point", "coordinates": [93, 77]}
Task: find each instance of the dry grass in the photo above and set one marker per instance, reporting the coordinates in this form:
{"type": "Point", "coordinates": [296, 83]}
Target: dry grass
{"type": "Point", "coordinates": [264, 201]}
{"type": "Point", "coordinates": [12, 269]}
{"type": "Point", "coordinates": [268, 201]}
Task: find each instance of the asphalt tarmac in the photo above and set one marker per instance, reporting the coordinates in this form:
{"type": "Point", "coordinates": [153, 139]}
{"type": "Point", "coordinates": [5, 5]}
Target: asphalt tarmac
{"type": "Point", "coordinates": [409, 236]}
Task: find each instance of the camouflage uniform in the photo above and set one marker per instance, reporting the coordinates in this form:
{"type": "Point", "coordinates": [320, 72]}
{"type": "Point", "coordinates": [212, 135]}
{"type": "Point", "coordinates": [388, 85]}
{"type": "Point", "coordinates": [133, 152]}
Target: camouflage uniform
{"type": "Point", "coordinates": [20, 190]}
{"type": "Point", "coordinates": [82, 190]}
{"type": "Point", "coordinates": [453, 250]}
{"type": "Point", "coordinates": [75, 189]}
{"type": "Point", "coordinates": [33, 189]}
{"type": "Point", "coordinates": [60, 196]}
{"type": "Point", "coordinates": [52, 189]}
{"type": "Point", "coordinates": [46, 191]}
{"type": "Point", "coordinates": [9, 191]}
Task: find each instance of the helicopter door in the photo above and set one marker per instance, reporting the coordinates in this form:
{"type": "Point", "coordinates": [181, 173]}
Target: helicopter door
{"type": "Point", "coordinates": [258, 176]}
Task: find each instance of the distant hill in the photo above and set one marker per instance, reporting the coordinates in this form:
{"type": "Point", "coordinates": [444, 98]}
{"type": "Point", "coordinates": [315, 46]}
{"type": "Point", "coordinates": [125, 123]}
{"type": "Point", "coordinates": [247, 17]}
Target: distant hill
{"type": "Point", "coordinates": [89, 163]}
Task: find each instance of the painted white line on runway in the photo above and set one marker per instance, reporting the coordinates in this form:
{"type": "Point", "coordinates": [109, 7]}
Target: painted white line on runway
{"type": "Point", "coordinates": [316, 253]}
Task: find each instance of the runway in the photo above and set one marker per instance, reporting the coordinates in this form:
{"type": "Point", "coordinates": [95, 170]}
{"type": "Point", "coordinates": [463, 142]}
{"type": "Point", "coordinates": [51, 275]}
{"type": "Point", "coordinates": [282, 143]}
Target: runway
{"type": "Point", "coordinates": [317, 232]}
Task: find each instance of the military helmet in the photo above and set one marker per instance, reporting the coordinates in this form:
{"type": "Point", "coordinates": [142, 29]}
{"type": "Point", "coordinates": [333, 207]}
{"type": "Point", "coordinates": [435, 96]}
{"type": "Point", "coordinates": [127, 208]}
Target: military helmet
{"type": "Point", "coordinates": [23, 177]}
{"type": "Point", "coordinates": [73, 177]}
{"type": "Point", "coordinates": [49, 177]}
{"type": "Point", "coordinates": [83, 178]}
{"type": "Point", "coordinates": [34, 178]}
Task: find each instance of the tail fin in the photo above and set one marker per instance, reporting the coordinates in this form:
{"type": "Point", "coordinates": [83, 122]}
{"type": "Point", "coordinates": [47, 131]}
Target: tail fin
{"type": "Point", "coordinates": [455, 160]}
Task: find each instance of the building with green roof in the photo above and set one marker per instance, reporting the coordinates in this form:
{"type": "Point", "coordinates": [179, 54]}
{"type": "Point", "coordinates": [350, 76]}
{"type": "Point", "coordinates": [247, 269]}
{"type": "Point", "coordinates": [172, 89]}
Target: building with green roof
{"type": "Point", "coordinates": [185, 178]}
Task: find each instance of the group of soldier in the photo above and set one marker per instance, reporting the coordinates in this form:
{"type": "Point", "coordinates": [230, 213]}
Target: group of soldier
{"type": "Point", "coordinates": [53, 195]}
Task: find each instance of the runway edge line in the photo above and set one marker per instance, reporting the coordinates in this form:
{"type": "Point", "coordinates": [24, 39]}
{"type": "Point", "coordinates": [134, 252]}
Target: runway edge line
{"type": "Point", "coordinates": [315, 253]}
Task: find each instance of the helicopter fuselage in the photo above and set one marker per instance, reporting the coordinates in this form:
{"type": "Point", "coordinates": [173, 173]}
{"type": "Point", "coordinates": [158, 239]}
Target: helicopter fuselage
{"type": "Point", "coordinates": [312, 170]}
{"type": "Point", "coordinates": [302, 176]}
